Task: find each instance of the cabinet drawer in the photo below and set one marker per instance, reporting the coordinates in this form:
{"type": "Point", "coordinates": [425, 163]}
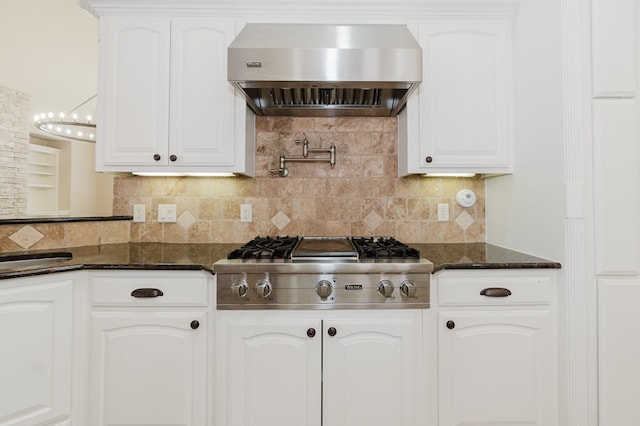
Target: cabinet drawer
{"type": "Point", "coordinates": [151, 291]}
{"type": "Point", "coordinates": [522, 290]}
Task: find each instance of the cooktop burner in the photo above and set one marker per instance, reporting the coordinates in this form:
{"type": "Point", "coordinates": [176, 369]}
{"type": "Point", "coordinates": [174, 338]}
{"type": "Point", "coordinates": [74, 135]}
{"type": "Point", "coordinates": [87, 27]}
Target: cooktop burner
{"type": "Point", "coordinates": [383, 248]}
{"type": "Point", "coordinates": [266, 248]}
{"type": "Point", "coordinates": [305, 248]}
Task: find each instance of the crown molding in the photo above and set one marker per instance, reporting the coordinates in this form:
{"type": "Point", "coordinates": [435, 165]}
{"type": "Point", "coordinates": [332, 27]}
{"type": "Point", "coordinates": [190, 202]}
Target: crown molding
{"type": "Point", "coordinates": [360, 9]}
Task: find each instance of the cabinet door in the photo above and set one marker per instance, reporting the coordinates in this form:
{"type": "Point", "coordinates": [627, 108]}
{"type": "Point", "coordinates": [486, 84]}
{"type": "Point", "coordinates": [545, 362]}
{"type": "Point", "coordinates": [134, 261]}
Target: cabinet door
{"type": "Point", "coordinates": [618, 351]}
{"type": "Point", "coordinates": [496, 368]}
{"type": "Point", "coordinates": [202, 100]}
{"type": "Point", "coordinates": [372, 369]}
{"type": "Point", "coordinates": [133, 84]}
{"type": "Point", "coordinates": [465, 99]}
{"type": "Point", "coordinates": [35, 359]}
{"type": "Point", "coordinates": [148, 368]}
{"type": "Point", "coordinates": [273, 371]}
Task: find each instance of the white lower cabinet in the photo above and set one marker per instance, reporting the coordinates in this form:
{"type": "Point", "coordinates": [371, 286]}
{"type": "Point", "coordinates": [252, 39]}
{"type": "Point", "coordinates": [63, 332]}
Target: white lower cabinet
{"type": "Point", "coordinates": [148, 349]}
{"type": "Point", "coordinates": [497, 351]}
{"type": "Point", "coordinates": [36, 350]}
{"type": "Point", "coordinates": [337, 368]}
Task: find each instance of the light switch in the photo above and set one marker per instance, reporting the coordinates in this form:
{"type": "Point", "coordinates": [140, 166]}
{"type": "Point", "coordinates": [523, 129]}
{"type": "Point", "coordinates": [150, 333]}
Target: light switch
{"type": "Point", "coordinates": [138, 213]}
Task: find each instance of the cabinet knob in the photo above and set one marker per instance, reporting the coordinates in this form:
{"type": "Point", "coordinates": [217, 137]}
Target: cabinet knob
{"type": "Point", "coordinates": [332, 331]}
{"type": "Point", "coordinates": [451, 325]}
{"type": "Point", "coordinates": [173, 157]}
{"type": "Point", "coordinates": [147, 292]}
{"type": "Point", "coordinates": [311, 332]}
{"type": "Point", "coordinates": [195, 324]}
{"type": "Point", "coordinates": [429, 159]}
{"type": "Point", "coordinates": [157, 157]}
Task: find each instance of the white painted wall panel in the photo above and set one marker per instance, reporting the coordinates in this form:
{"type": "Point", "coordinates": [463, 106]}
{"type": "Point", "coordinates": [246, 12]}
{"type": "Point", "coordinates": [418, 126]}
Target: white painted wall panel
{"type": "Point", "coordinates": [616, 165]}
{"type": "Point", "coordinates": [614, 48]}
{"type": "Point", "coordinates": [619, 351]}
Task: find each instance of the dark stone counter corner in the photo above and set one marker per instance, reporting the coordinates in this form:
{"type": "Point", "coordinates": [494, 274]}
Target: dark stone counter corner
{"type": "Point", "coordinates": [480, 256]}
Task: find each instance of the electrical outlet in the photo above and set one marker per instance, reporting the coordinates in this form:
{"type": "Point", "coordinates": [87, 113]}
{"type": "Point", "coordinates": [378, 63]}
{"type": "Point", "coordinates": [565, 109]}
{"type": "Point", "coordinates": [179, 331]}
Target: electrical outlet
{"type": "Point", "coordinates": [443, 212]}
{"type": "Point", "coordinates": [138, 213]}
{"type": "Point", "coordinates": [166, 212]}
{"type": "Point", "coordinates": [245, 213]}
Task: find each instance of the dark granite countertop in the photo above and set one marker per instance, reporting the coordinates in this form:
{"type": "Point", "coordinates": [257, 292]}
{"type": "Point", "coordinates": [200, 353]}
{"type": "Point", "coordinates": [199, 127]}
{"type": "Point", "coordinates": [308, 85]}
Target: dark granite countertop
{"type": "Point", "coordinates": [480, 256]}
{"type": "Point", "coordinates": [162, 256]}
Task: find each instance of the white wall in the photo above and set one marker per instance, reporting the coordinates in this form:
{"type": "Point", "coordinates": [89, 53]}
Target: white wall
{"type": "Point", "coordinates": [49, 50]}
{"type": "Point", "coordinates": [526, 210]}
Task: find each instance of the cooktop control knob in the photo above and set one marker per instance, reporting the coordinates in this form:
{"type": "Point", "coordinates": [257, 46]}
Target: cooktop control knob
{"type": "Point", "coordinates": [408, 288]}
{"type": "Point", "coordinates": [239, 288]}
{"type": "Point", "coordinates": [324, 288]}
{"type": "Point", "coordinates": [263, 288]}
{"type": "Point", "coordinates": [385, 288]}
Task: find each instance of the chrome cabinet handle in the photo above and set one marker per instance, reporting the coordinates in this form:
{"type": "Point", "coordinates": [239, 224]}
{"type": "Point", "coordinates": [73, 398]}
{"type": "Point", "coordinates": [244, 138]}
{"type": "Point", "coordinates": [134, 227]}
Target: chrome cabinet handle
{"type": "Point", "coordinates": [495, 292]}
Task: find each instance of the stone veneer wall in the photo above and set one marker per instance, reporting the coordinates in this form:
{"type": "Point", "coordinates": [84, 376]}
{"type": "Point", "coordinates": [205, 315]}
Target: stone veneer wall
{"type": "Point", "coordinates": [362, 195]}
{"type": "Point", "coordinates": [14, 149]}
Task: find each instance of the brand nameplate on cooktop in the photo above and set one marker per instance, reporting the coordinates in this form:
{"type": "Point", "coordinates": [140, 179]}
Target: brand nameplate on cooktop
{"type": "Point", "coordinates": [353, 286]}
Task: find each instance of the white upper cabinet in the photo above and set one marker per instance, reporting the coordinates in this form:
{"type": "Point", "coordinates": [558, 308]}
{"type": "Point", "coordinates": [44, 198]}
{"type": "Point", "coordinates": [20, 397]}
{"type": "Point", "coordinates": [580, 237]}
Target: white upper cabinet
{"type": "Point", "coordinates": [164, 101]}
{"type": "Point", "coordinates": [461, 119]}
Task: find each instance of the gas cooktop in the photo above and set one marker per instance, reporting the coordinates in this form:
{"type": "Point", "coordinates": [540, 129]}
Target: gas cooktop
{"type": "Point", "coordinates": [339, 249]}
{"type": "Point", "coordinates": [323, 273]}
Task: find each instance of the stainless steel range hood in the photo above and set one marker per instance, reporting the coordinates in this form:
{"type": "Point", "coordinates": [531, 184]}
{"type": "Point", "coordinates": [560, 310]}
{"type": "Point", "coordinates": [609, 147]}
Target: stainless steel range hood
{"type": "Point", "coordinates": [325, 70]}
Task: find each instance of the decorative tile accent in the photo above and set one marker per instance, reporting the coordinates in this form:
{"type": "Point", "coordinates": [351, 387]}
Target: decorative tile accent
{"type": "Point", "coordinates": [186, 219]}
{"type": "Point", "coordinates": [280, 220]}
{"type": "Point", "coordinates": [26, 236]}
{"type": "Point", "coordinates": [373, 220]}
{"type": "Point", "coordinates": [464, 220]}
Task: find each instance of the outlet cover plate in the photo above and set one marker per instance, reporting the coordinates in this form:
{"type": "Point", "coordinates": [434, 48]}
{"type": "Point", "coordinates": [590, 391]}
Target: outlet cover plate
{"type": "Point", "coordinates": [166, 212]}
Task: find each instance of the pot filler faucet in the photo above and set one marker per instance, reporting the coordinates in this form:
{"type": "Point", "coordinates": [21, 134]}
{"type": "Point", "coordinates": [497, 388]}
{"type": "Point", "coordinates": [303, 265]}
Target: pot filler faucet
{"type": "Point", "coordinates": [284, 172]}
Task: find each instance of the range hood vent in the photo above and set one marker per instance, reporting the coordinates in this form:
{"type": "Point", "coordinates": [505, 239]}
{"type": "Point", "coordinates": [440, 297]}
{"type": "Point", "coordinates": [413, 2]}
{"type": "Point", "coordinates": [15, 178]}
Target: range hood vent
{"type": "Point", "coordinates": [325, 70]}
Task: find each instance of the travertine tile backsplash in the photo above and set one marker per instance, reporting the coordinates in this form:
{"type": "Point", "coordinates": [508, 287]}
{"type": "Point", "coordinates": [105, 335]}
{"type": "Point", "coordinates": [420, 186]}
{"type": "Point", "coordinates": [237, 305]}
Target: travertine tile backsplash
{"type": "Point", "coordinates": [360, 196]}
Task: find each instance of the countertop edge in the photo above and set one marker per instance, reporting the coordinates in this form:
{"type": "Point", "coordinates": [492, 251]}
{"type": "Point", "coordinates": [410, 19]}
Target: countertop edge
{"type": "Point", "coordinates": [515, 265]}
{"type": "Point", "coordinates": [35, 271]}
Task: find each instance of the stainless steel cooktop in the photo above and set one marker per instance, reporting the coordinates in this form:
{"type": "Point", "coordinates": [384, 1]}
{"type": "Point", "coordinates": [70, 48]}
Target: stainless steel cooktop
{"type": "Point", "coordinates": [323, 273]}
